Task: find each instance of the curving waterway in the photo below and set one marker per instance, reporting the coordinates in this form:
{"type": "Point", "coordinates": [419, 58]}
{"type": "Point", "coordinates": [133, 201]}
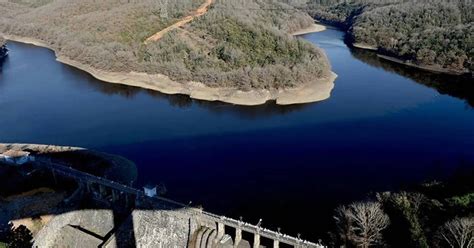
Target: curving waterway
{"type": "Point", "coordinates": [385, 127]}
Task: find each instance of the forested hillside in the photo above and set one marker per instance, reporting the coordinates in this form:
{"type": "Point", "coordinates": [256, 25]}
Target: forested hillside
{"type": "Point", "coordinates": [436, 33]}
{"type": "Point", "coordinates": [238, 44]}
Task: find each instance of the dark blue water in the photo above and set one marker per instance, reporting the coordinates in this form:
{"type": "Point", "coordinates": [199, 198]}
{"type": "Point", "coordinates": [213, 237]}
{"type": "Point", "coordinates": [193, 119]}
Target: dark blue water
{"type": "Point", "coordinates": [385, 127]}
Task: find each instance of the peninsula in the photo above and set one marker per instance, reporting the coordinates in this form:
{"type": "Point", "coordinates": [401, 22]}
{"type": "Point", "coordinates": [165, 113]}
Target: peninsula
{"type": "Point", "coordinates": [235, 52]}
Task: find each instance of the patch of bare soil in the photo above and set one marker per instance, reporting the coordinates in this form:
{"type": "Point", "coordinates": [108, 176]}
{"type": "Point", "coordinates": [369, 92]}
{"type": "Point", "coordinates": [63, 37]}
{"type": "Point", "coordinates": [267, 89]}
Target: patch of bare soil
{"type": "Point", "coordinates": [187, 19]}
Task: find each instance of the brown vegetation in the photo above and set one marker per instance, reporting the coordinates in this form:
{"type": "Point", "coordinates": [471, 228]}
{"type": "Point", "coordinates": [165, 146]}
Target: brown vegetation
{"type": "Point", "coordinates": [187, 19]}
{"type": "Point", "coordinates": [238, 44]}
{"type": "Point", "coordinates": [431, 33]}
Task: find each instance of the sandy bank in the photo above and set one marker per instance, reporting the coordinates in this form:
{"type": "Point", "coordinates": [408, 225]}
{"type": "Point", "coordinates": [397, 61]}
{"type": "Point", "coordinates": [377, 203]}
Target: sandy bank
{"type": "Point", "coordinates": [318, 90]}
{"type": "Point", "coordinates": [311, 29]}
{"type": "Point", "coordinates": [364, 46]}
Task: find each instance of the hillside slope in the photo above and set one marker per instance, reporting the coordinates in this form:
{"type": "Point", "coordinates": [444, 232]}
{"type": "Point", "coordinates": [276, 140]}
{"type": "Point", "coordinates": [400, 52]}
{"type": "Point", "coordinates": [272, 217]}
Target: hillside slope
{"type": "Point", "coordinates": [436, 34]}
{"type": "Point", "coordinates": [237, 44]}
{"type": "Point", "coordinates": [183, 21]}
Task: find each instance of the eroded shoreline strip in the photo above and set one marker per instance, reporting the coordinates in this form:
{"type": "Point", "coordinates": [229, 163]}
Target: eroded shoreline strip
{"type": "Point", "coordinates": [317, 90]}
{"type": "Point", "coordinates": [316, 27]}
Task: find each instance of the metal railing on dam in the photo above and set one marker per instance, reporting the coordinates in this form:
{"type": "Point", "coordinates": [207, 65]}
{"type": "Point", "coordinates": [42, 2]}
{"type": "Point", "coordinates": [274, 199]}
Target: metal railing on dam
{"type": "Point", "coordinates": [222, 221]}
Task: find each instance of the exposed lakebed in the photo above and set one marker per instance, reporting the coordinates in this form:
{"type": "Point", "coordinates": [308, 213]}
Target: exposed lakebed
{"type": "Point", "coordinates": [384, 127]}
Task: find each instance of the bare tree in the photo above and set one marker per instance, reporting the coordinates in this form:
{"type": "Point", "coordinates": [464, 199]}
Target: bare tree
{"type": "Point", "coordinates": [361, 223]}
{"type": "Point", "coordinates": [459, 233]}
{"type": "Point", "coordinates": [344, 223]}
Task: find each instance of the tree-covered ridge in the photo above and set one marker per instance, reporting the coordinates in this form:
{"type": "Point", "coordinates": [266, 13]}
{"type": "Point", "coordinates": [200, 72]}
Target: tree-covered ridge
{"type": "Point", "coordinates": [238, 44]}
{"type": "Point", "coordinates": [249, 47]}
{"type": "Point", "coordinates": [432, 33]}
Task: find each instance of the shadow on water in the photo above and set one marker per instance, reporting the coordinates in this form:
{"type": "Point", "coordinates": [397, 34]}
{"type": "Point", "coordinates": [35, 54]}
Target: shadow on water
{"type": "Point", "coordinates": [127, 231]}
{"type": "Point", "coordinates": [87, 81]}
{"type": "Point", "coordinates": [99, 210]}
{"type": "Point", "coordinates": [2, 61]}
{"type": "Point", "coordinates": [184, 101]}
{"type": "Point", "coordinates": [456, 86]}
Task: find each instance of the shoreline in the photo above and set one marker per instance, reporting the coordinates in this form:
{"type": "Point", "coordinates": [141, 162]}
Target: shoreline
{"type": "Point", "coordinates": [316, 27]}
{"type": "Point", "coordinates": [365, 47]}
{"type": "Point", "coordinates": [432, 69]}
{"type": "Point", "coordinates": [317, 90]}
{"type": "Point", "coordinates": [117, 168]}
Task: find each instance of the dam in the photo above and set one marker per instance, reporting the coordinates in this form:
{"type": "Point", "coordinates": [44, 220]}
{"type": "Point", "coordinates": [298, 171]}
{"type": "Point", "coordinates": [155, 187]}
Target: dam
{"type": "Point", "coordinates": [205, 229]}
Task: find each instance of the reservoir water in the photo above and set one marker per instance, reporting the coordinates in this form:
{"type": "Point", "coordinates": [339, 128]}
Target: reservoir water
{"type": "Point", "coordinates": [385, 127]}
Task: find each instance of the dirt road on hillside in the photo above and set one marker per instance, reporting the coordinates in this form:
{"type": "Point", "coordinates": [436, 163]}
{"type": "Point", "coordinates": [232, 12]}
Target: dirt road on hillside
{"type": "Point", "coordinates": [198, 12]}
